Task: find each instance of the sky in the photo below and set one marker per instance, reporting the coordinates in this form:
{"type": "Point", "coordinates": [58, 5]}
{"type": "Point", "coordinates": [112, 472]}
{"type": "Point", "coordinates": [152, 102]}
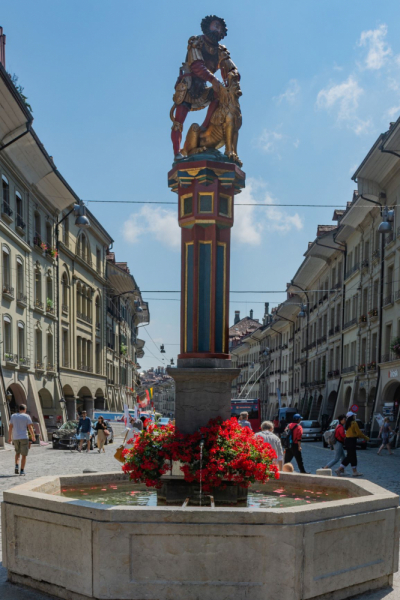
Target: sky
{"type": "Point", "coordinates": [320, 82]}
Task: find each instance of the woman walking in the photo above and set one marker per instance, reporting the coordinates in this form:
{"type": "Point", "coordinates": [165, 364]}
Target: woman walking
{"type": "Point", "coordinates": [340, 437]}
{"type": "Point", "coordinates": [101, 427]}
{"type": "Point", "coordinates": [352, 433]}
{"type": "Point", "coordinates": [384, 433]}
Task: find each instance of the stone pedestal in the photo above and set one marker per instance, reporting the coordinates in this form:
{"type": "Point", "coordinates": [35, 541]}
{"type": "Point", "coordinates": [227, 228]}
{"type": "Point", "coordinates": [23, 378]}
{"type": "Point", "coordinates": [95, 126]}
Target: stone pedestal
{"type": "Point", "coordinates": [202, 392]}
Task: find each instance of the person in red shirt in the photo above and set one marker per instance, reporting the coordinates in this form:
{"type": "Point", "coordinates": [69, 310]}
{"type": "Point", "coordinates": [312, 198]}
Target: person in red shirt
{"type": "Point", "coordinates": [295, 432]}
{"type": "Point", "coordinates": [340, 436]}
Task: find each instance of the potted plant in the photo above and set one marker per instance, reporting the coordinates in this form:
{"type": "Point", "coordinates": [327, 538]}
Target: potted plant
{"type": "Point", "coordinates": [123, 349]}
{"type": "Point", "coordinates": [363, 319]}
{"type": "Point", "coordinates": [361, 368]}
{"type": "Point", "coordinates": [49, 304]}
{"type": "Point", "coordinates": [395, 346]}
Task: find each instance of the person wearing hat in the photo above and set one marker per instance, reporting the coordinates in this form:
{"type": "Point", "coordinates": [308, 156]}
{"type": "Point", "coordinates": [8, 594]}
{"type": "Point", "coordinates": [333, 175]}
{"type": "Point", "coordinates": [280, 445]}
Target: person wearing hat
{"type": "Point", "coordinates": [352, 433]}
{"type": "Point", "coordinates": [295, 433]}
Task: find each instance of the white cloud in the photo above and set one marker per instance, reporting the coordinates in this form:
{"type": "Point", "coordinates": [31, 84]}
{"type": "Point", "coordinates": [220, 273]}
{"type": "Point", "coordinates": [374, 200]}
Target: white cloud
{"type": "Point", "coordinates": [158, 222]}
{"type": "Point", "coordinates": [269, 140]}
{"type": "Point", "coordinates": [291, 93]}
{"type": "Point", "coordinates": [344, 97]}
{"type": "Point", "coordinates": [393, 112]}
{"type": "Point", "coordinates": [252, 222]}
{"type": "Point", "coordinates": [378, 49]}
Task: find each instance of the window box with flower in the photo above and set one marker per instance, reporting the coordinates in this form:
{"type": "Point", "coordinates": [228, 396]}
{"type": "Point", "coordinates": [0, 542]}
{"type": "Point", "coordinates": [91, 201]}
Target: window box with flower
{"type": "Point", "coordinates": [361, 368]}
{"type": "Point", "coordinates": [395, 346]}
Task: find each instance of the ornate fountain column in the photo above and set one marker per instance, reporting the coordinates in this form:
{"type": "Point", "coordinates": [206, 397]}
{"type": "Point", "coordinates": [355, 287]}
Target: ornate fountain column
{"type": "Point", "coordinates": [206, 188]}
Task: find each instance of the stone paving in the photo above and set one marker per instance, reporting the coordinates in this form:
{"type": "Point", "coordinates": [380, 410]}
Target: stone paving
{"type": "Point", "coordinates": [383, 470]}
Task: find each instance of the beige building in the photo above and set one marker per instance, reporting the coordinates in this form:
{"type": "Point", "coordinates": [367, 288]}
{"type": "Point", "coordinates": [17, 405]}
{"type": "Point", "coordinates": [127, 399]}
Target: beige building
{"type": "Point", "coordinates": [56, 293]}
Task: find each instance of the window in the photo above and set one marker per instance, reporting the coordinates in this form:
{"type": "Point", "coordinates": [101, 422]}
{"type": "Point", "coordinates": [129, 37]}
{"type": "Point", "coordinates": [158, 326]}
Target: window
{"type": "Point", "coordinates": [388, 339]}
{"type": "Point", "coordinates": [365, 301]}
{"type": "Point", "coordinates": [186, 205]}
{"type": "Point", "coordinates": [50, 360]}
{"type": "Point", "coordinates": [64, 283]}
{"type": "Point", "coordinates": [38, 288]}
{"type": "Point", "coordinates": [7, 337]}
{"type": "Point", "coordinates": [389, 284]}
{"type": "Point", "coordinates": [20, 211]}
{"type": "Point", "coordinates": [98, 359]}
{"type": "Point", "coordinates": [206, 203]}
{"type": "Point", "coordinates": [374, 347]}
{"type": "Point", "coordinates": [38, 349]}
{"type": "Point", "coordinates": [98, 324]}
{"type": "Point", "coordinates": [225, 203]}
{"type": "Point", "coordinates": [66, 232]}
{"type": "Point", "coordinates": [79, 351]}
{"type": "Point", "coordinates": [20, 280]}
{"type": "Point", "coordinates": [38, 230]}
{"type": "Point", "coordinates": [21, 340]}
{"type": "Point", "coordinates": [49, 240]}
{"type": "Point", "coordinates": [49, 298]}
{"type": "Point", "coordinates": [78, 299]}
{"type": "Point", "coordinates": [98, 260]}
{"type": "Point", "coordinates": [6, 269]}
{"type": "Point", "coordinates": [363, 350]}
{"type": "Point", "coordinates": [89, 304]}
{"type": "Point", "coordinates": [6, 191]}
{"type": "Point", "coordinates": [337, 357]}
{"type": "Point", "coordinates": [65, 348]}
{"type": "Point", "coordinates": [353, 348]}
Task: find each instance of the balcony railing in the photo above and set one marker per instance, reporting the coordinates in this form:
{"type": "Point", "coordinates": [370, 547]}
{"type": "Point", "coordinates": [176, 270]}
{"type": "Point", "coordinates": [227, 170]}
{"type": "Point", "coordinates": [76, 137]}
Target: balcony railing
{"type": "Point", "coordinates": [388, 300]}
{"type": "Point", "coordinates": [65, 363]}
{"type": "Point", "coordinates": [39, 304]}
{"type": "Point", "coordinates": [388, 238]}
{"type": "Point", "coordinates": [337, 328]}
{"type": "Point", "coordinates": [331, 331]}
{"type": "Point", "coordinates": [87, 368]}
{"type": "Point", "coordinates": [50, 309]}
{"type": "Point", "coordinates": [24, 362]}
{"type": "Point", "coordinates": [22, 299]}
{"type": "Point", "coordinates": [351, 271]}
{"type": "Point", "coordinates": [376, 254]}
{"type": "Point", "coordinates": [389, 357]}
{"type": "Point", "coordinates": [373, 313]}
{"type": "Point", "coordinates": [39, 366]}
{"type": "Point", "coordinates": [6, 210]}
{"type": "Point", "coordinates": [350, 323]}
{"type": "Point", "coordinates": [51, 368]}
{"type": "Point", "coordinates": [322, 339]}
{"type": "Point", "coordinates": [84, 317]}
{"type": "Point", "coordinates": [371, 366]}
{"type": "Point", "coordinates": [11, 358]}
{"type": "Point", "coordinates": [20, 222]}
{"type": "Point", "coordinates": [348, 369]}
{"type": "Point", "coordinates": [64, 308]}
{"type": "Point", "coordinates": [8, 291]}
{"type": "Point", "coordinates": [365, 263]}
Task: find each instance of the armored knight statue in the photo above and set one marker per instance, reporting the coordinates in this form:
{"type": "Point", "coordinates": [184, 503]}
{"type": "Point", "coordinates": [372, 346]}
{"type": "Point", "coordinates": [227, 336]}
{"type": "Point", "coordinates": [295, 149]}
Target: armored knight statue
{"type": "Point", "coordinates": [204, 57]}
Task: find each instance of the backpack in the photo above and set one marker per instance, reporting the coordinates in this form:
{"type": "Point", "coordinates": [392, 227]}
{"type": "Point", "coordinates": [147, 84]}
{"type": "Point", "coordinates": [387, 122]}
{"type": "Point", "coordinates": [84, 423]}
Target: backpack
{"type": "Point", "coordinates": [287, 441]}
{"type": "Point", "coordinates": [332, 438]}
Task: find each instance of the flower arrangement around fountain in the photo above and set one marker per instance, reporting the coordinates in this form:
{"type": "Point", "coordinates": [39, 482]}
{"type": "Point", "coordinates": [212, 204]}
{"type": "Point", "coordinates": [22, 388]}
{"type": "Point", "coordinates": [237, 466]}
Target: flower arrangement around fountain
{"type": "Point", "coordinates": [220, 454]}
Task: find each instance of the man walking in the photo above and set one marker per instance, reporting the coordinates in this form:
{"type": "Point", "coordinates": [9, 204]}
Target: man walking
{"type": "Point", "coordinates": [267, 434]}
{"type": "Point", "coordinates": [18, 433]}
{"type": "Point", "coordinates": [84, 426]}
{"type": "Point", "coordinates": [295, 433]}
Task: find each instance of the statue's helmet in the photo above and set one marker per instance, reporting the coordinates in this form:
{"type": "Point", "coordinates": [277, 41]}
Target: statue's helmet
{"type": "Point", "coordinates": [214, 28]}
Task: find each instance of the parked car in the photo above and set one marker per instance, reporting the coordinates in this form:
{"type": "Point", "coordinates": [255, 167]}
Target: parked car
{"type": "Point", "coordinates": [362, 444]}
{"type": "Point", "coordinates": [312, 431]}
{"type": "Point", "coordinates": [163, 421]}
{"type": "Point", "coordinates": [110, 438]}
{"type": "Point", "coordinates": [65, 437]}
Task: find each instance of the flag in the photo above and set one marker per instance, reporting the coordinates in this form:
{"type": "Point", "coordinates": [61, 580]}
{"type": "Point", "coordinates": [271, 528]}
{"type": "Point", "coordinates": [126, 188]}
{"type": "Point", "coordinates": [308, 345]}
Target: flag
{"type": "Point", "coordinates": [148, 396]}
{"type": "Point", "coordinates": [151, 393]}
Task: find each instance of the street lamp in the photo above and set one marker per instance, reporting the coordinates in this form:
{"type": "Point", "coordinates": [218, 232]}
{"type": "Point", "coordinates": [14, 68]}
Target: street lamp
{"type": "Point", "coordinates": [172, 362]}
{"type": "Point", "coordinates": [302, 312]}
{"type": "Point", "coordinates": [388, 218]}
{"type": "Point", "coordinates": [162, 349]}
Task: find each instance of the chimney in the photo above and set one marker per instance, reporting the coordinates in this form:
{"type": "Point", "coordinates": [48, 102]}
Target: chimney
{"type": "Point", "coordinates": [251, 314]}
{"type": "Point", "coordinates": [237, 316]}
{"type": "Point", "coordinates": [2, 48]}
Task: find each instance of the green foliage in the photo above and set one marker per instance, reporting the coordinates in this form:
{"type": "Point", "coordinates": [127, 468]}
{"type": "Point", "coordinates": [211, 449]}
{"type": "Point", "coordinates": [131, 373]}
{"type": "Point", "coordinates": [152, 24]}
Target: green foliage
{"type": "Point", "coordinates": [20, 90]}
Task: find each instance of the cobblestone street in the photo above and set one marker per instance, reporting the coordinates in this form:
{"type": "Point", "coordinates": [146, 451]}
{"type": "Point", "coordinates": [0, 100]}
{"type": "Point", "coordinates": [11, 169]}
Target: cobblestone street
{"type": "Point", "coordinates": [383, 470]}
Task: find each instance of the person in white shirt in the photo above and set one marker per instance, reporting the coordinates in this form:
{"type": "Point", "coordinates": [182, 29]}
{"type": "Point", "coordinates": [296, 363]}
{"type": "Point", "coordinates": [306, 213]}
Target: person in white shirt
{"type": "Point", "coordinates": [268, 435]}
{"type": "Point", "coordinates": [133, 429]}
{"type": "Point", "coordinates": [18, 434]}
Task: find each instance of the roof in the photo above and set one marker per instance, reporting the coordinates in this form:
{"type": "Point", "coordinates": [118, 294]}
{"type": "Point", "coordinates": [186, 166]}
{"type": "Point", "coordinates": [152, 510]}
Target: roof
{"type": "Point", "coordinates": [243, 327]}
{"type": "Point", "coordinates": [27, 152]}
{"type": "Point", "coordinates": [379, 161]}
{"type": "Point", "coordinates": [318, 252]}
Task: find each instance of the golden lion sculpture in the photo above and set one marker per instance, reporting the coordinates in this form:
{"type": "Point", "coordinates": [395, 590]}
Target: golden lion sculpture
{"type": "Point", "coordinates": [224, 125]}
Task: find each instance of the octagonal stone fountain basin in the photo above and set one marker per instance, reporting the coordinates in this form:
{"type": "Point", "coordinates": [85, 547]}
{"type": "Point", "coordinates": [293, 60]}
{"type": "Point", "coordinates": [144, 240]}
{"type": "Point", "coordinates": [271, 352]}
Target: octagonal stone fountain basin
{"type": "Point", "coordinates": [77, 549]}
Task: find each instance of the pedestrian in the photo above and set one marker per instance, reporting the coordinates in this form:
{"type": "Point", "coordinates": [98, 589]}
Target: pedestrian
{"type": "Point", "coordinates": [384, 434]}
{"type": "Point", "coordinates": [352, 433]}
{"type": "Point", "coordinates": [244, 420]}
{"type": "Point", "coordinates": [295, 433]}
{"type": "Point", "coordinates": [276, 424]}
{"type": "Point", "coordinates": [339, 440]}
{"type": "Point", "coordinates": [83, 431]}
{"type": "Point", "coordinates": [20, 423]}
{"type": "Point", "coordinates": [102, 431]}
{"type": "Point", "coordinates": [268, 435]}
{"type": "Point", "coordinates": [133, 429]}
